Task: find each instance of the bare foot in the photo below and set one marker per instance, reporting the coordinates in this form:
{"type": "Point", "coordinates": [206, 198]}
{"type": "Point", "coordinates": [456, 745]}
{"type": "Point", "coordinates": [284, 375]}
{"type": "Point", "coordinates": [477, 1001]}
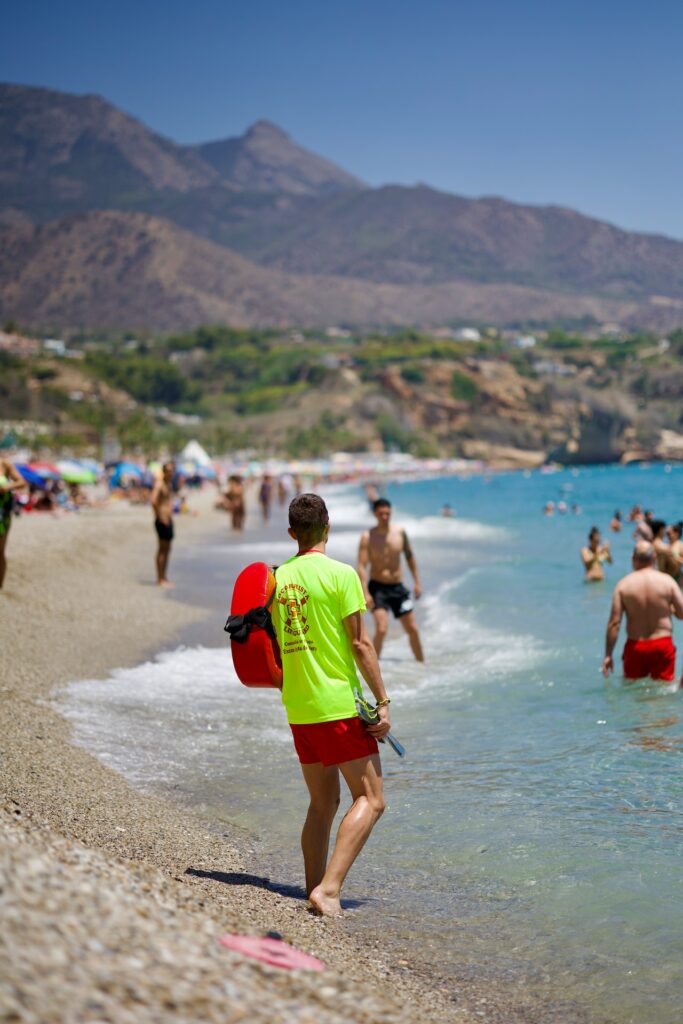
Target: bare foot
{"type": "Point", "coordinates": [166, 583]}
{"type": "Point", "coordinates": [328, 906]}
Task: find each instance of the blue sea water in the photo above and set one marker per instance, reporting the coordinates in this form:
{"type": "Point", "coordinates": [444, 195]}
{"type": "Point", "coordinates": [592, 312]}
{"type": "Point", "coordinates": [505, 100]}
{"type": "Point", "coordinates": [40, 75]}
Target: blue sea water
{"type": "Point", "coordinates": [534, 832]}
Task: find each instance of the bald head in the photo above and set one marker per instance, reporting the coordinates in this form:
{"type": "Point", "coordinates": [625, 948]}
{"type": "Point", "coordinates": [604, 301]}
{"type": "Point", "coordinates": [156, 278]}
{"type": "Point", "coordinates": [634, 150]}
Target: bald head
{"type": "Point", "coordinates": [644, 555]}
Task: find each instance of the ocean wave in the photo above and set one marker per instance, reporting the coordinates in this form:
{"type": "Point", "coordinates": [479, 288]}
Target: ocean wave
{"type": "Point", "coordinates": [461, 652]}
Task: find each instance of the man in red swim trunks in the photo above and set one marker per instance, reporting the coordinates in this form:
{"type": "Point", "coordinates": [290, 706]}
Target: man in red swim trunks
{"type": "Point", "coordinates": [649, 599]}
{"type": "Point", "coordinates": [317, 612]}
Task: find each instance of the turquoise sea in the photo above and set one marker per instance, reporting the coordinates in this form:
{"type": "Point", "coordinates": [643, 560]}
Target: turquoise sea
{"type": "Point", "coordinates": [534, 832]}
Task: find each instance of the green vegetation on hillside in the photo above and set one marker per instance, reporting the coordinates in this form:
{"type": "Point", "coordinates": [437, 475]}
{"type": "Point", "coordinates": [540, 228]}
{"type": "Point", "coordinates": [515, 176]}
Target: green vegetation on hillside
{"type": "Point", "coordinates": [305, 394]}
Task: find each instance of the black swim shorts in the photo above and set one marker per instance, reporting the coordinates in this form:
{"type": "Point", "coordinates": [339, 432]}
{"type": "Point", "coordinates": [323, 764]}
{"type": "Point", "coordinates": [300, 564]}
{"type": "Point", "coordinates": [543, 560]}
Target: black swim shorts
{"type": "Point", "coordinates": [164, 530]}
{"type": "Point", "coordinates": [392, 597]}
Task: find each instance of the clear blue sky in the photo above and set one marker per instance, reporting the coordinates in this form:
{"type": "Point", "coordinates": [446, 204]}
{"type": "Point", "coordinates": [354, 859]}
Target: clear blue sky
{"type": "Point", "coordinates": [577, 104]}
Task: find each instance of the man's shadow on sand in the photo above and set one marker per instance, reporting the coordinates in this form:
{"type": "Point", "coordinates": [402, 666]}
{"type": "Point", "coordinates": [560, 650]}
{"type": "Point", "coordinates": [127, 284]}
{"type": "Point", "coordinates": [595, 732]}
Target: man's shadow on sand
{"type": "Point", "coordinates": [293, 892]}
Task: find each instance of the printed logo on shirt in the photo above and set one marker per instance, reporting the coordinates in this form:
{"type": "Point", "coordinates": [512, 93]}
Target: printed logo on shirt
{"type": "Point", "coordinates": [292, 600]}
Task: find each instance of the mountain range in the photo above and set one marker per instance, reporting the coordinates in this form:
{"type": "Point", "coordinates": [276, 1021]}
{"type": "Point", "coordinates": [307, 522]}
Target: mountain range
{"type": "Point", "coordinates": [104, 223]}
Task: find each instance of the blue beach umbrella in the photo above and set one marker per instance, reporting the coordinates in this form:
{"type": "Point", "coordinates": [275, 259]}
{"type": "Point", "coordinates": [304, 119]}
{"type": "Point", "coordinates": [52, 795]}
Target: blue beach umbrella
{"type": "Point", "coordinates": [30, 475]}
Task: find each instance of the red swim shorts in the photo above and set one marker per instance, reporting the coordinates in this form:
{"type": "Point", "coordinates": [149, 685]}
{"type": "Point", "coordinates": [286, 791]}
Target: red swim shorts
{"type": "Point", "coordinates": [330, 743]}
{"type": "Point", "coordinates": [656, 658]}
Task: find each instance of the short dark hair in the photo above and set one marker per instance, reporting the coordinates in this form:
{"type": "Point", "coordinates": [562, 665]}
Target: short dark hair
{"type": "Point", "coordinates": [308, 517]}
{"type": "Point", "coordinates": [381, 503]}
{"type": "Point", "coordinates": [593, 532]}
{"type": "Point", "coordinates": [657, 525]}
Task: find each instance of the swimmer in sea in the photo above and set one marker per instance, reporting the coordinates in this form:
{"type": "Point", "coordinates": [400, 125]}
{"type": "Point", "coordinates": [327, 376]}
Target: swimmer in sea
{"type": "Point", "coordinates": [615, 526]}
{"type": "Point", "coordinates": [666, 562]}
{"type": "Point", "coordinates": [676, 546]}
{"type": "Point", "coordinates": [649, 599]}
{"type": "Point", "coordinates": [643, 530]}
{"type": "Point", "coordinates": [594, 555]}
{"type": "Point", "coordinates": [381, 548]}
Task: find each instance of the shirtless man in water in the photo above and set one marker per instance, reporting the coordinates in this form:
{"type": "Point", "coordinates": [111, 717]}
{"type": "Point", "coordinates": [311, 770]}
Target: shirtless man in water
{"type": "Point", "coordinates": [162, 503]}
{"type": "Point", "coordinates": [648, 598]}
{"type": "Point", "coordinates": [382, 547]}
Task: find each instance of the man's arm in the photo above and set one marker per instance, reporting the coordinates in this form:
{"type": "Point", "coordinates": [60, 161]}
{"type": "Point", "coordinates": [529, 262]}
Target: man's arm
{"type": "Point", "coordinates": [363, 559]}
{"type": "Point", "coordinates": [589, 557]}
{"type": "Point", "coordinates": [157, 498]}
{"type": "Point", "coordinates": [676, 600]}
{"type": "Point", "coordinates": [613, 627]}
{"type": "Point", "coordinates": [368, 666]}
{"type": "Point", "coordinates": [412, 565]}
{"type": "Point", "coordinates": [15, 481]}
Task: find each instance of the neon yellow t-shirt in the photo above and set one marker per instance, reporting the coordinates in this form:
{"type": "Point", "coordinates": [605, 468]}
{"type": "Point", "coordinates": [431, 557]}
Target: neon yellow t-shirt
{"type": "Point", "coordinates": [313, 595]}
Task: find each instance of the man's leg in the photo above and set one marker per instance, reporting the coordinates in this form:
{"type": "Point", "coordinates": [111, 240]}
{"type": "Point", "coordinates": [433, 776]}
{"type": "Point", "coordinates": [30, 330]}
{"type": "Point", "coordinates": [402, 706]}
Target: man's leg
{"type": "Point", "coordinates": [364, 778]}
{"type": "Point", "coordinates": [410, 625]}
{"type": "Point", "coordinates": [323, 788]}
{"type": "Point", "coordinates": [163, 553]}
{"type": "Point", "coordinates": [3, 560]}
{"type": "Point", "coordinates": [381, 617]}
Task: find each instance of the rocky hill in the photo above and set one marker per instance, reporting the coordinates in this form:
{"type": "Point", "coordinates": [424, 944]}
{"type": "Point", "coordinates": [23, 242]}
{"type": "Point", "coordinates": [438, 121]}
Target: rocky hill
{"type": "Point", "coordinates": [265, 159]}
{"type": "Point", "coordinates": [107, 269]}
{"type": "Point", "coordinates": [61, 153]}
{"type": "Point", "coordinates": [320, 247]}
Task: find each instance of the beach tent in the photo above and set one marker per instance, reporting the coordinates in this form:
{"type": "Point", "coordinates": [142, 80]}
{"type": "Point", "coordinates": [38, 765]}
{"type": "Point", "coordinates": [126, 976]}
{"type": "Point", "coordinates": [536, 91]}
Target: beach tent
{"type": "Point", "coordinates": [125, 469]}
{"type": "Point", "coordinates": [193, 452]}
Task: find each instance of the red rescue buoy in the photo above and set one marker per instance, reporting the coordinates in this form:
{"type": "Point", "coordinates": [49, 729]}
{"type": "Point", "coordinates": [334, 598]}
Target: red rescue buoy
{"type": "Point", "coordinates": [257, 660]}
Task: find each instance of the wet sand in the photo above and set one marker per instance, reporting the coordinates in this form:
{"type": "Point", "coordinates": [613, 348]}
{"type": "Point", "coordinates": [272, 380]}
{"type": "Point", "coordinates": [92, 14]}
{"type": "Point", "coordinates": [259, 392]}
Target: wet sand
{"type": "Point", "coordinates": [112, 900]}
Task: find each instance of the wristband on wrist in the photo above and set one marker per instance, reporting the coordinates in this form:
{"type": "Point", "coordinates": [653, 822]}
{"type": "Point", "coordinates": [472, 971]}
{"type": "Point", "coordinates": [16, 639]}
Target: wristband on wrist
{"type": "Point", "coordinates": [383, 703]}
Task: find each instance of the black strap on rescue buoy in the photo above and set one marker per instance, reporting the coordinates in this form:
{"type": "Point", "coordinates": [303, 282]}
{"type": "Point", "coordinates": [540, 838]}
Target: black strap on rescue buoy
{"type": "Point", "coordinates": [240, 626]}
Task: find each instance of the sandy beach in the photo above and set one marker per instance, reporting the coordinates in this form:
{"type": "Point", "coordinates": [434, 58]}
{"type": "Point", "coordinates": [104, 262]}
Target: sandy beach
{"type": "Point", "coordinates": [101, 920]}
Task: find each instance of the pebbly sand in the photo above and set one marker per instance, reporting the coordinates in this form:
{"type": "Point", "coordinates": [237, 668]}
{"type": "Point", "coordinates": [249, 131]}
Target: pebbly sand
{"type": "Point", "coordinates": [100, 921]}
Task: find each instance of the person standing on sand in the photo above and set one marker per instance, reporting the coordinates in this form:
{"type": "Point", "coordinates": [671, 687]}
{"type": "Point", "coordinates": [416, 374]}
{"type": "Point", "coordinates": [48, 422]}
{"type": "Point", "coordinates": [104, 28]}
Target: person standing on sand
{"type": "Point", "coordinates": [382, 547]}
{"type": "Point", "coordinates": [594, 555]}
{"type": "Point", "coordinates": [162, 504]}
{"type": "Point", "coordinates": [317, 612]}
{"type": "Point", "coordinates": [265, 496]}
{"type": "Point", "coordinates": [648, 598]}
{"type": "Point", "coordinates": [234, 497]}
{"type": "Point", "coordinates": [10, 482]}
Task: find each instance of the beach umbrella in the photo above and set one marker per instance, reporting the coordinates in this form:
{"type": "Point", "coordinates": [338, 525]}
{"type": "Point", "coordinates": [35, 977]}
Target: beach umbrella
{"type": "Point", "coordinates": [91, 464]}
{"type": "Point", "coordinates": [30, 476]}
{"type": "Point", "coordinates": [45, 469]}
{"type": "Point", "coordinates": [75, 473]}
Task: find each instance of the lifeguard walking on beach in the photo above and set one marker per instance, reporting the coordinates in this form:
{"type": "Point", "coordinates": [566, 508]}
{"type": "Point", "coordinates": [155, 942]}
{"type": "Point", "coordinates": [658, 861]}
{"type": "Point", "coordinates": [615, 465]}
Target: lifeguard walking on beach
{"type": "Point", "coordinates": [162, 504]}
{"type": "Point", "coordinates": [381, 548]}
{"type": "Point", "coordinates": [649, 598]}
{"type": "Point", "coordinates": [317, 612]}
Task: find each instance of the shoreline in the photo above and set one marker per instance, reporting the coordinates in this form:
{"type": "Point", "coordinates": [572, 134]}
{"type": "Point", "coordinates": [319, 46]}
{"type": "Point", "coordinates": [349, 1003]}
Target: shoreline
{"type": "Point", "coordinates": [77, 590]}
